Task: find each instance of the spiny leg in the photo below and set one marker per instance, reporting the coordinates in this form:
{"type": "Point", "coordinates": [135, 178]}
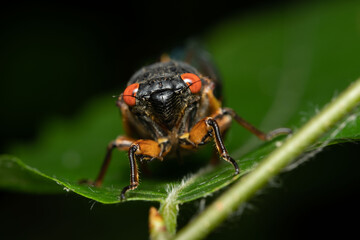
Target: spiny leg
{"type": "Point", "coordinates": [215, 126]}
{"type": "Point", "coordinates": [219, 113]}
{"type": "Point", "coordinates": [134, 174]}
{"type": "Point", "coordinates": [204, 131]}
{"type": "Point", "coordinates": [261, 135]}
{"type": "Point", "coordinates": [220, 143]}
{"type": "Point", "coordinates": [140, 150]}
{"type": "Point", "coordinates": [122, 143]}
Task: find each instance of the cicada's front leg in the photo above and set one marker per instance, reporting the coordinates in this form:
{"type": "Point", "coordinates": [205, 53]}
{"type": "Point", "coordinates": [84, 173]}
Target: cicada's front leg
{"type": "Point", "coordinates": [206, 130]}
{"type": "Point", "coordinates": [214, 126]}
{"type": "Point", "coordinates": [143, 150]}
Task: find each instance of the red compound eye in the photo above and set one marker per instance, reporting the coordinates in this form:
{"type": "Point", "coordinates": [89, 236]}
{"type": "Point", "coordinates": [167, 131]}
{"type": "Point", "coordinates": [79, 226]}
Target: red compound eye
{"type": "Point", "coordinates": [193, 81]}
{"type": "Point", "coordinates": [130, 93]}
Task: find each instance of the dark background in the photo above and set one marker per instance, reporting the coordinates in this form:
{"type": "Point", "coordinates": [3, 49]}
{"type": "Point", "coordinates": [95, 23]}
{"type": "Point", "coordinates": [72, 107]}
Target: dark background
{"type": "Point", "coordinates": [55, 56]}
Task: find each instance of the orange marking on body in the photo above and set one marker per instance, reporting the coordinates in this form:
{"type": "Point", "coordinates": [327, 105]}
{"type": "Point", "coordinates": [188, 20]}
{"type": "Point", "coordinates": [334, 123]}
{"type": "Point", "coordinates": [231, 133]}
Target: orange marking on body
{"type": "Point", "coordinates": [198, 132]}
{"type": "Point", "coordinates": [148, 147]}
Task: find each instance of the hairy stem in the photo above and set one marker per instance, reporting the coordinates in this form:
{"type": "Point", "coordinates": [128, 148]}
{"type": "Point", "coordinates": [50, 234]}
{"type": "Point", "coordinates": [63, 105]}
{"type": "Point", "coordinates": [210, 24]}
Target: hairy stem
{"type": "Point", "coordinates": [169, 212]}
{"type": "Point", "coordinates": [273, 164]}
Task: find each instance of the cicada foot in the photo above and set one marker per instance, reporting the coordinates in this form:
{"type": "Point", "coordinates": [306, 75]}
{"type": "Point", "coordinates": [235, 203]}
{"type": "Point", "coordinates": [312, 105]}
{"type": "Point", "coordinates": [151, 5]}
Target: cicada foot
{"type": "Point", "coordinates": [127, 188]}
{"type": "Point", "coordinates": [229, 159]}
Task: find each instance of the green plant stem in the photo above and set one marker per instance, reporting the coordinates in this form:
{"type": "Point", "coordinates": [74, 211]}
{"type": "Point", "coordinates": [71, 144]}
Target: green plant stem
{"type": "Point", "coordinates": [273, 164]}
{"type": "Point", "coordinates": [169, 211]}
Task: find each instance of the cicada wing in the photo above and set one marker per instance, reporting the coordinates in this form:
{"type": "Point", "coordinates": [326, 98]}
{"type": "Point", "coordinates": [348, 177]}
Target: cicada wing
{"type": "Point", "coordinates": [195, 54]}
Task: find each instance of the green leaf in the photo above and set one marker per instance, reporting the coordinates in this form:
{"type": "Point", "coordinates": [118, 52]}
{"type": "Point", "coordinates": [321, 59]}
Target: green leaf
{"type": "Point", "coordinates": [278, 70]}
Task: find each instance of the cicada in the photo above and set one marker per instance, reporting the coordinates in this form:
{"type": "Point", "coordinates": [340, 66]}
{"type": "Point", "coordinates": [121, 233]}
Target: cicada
{"type": "Point", "coordinates": [169, 107]}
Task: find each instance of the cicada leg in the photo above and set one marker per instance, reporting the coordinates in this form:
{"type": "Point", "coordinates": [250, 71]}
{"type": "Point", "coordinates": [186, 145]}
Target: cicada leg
{"type": "Point", "coordinates": [261, 135]}
{"type": "Point", "coordinates": [214, 126]}
{"type": "Point", "coordinates": [219, 113]}
{"type": "Point", "coordinates": [140, 150]}
{"type": "Point", "coordinates": [204, 131]}
{"type": "Point", "coordinates": [122, 143]}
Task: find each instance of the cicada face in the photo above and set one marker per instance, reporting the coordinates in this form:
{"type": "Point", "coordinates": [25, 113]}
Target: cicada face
{"type": "Point", "coordinates": [160, 94]}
